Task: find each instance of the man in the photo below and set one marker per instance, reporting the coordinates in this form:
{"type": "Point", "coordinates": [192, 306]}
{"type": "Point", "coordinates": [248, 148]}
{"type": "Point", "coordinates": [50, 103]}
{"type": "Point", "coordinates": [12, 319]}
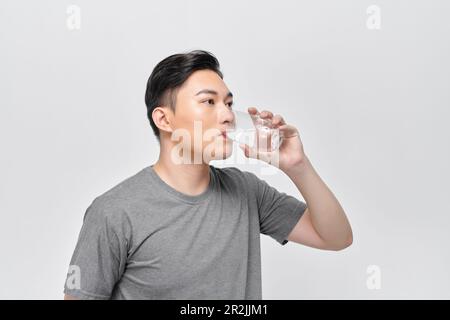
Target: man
{"type": "Point", "coordinates": [185, 229]}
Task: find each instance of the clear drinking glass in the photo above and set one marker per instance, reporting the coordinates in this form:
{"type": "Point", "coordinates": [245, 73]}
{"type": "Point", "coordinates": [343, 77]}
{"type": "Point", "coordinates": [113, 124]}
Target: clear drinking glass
{"type": "Point", "coordinates": [254, 131]}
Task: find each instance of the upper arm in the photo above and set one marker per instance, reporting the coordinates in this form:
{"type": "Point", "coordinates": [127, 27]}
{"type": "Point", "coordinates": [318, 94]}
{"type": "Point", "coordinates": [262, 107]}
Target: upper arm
{"type": "Point", "coordinates": [278, 211]}
{"type": "Point", "coordinates": [100, 255]}
{"type": "Point", "coordinates": [304, 233]}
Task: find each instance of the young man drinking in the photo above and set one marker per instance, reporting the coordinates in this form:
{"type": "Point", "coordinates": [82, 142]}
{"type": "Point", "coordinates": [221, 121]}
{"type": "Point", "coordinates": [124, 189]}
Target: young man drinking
{"type": "Point", "coordinates": [182, 229]}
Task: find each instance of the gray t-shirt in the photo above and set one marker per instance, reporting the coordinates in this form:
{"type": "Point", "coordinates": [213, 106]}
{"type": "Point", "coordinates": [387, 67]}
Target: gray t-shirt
{"type": "Point", "coordinates": [143, 239]}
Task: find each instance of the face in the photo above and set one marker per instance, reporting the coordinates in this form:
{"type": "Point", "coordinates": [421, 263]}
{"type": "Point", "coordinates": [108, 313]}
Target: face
{"type": "Point", "coordinates": [203, 113]}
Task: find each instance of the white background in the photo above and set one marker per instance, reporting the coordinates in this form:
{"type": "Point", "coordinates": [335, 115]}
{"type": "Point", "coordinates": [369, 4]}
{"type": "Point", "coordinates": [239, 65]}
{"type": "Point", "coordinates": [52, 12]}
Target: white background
{"type": "Point", "coordinates": [371, 105]}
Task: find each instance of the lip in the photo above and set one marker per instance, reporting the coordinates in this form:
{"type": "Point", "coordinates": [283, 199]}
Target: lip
{"type": "Point", "coordinates": [224, 134]}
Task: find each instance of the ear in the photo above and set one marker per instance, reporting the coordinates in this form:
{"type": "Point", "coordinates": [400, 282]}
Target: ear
{"type": "Point", "coordinates": [161, 118]}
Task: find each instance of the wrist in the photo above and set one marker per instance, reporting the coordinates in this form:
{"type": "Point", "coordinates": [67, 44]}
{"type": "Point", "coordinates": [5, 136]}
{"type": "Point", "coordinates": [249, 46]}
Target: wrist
{"type": "Point", "coordinates": [298, 167]}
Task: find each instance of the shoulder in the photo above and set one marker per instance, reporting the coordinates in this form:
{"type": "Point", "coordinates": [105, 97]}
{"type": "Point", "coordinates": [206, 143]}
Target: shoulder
{"type": "Point", "coordinates": [126, 193]}
{"type": "Point", "coordinates": [106, 212]}
{"type": "Point", "coordinates": [113, 206]}
{"type": "Point", "coordinates": [130, 189]}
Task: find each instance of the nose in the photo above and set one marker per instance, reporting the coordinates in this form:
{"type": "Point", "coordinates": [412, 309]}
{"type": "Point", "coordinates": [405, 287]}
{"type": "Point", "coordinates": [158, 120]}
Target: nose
{"type": "Point", "coordinates": [226, 116]}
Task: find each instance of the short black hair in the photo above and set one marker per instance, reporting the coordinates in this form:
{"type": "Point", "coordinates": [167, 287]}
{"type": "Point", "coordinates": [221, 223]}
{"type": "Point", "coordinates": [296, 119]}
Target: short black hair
{"type": "Point", "coordinates": [170, 74]}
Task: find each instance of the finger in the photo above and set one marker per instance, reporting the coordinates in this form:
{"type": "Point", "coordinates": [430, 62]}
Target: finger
{"type": "Point", "coordinates": [252, 110]}
{"type": "Point", "coordinates": [266, 156]}
{"type": "Point", "coordinates": [246, 150]}
{"type": "Point", "coordinates": [265, 114]}
{"type": "Point", "coordinates": [278, 120]}
{"type": "Point", "coordinates": [253, 114]}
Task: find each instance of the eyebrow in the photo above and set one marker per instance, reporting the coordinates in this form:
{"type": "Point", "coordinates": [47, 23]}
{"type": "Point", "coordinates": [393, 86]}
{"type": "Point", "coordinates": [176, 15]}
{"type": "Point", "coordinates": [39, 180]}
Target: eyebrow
{"type": "Point", "coordinates": [209, 91]}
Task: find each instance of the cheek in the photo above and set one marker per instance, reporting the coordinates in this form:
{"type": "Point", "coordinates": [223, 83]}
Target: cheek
{"type": "Point", "coordinates": [195, 120]}
{"type": "Point", "coordinates": [200, 123]}
{"type": "Point", "coordinates": [202, 115]}
{"type": "Point", "coordinates": [184, 119]}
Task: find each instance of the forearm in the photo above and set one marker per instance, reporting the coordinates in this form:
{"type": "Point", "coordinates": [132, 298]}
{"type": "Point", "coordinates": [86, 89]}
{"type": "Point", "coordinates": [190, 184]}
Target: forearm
{"type": "Point", "coordinates": [327, 215]}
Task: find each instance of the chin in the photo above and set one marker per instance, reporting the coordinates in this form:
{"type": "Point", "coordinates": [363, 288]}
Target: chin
{"type": "Point", "coordinates": [226, 154]}
{"type": "Point", "coordinates": [220, 152]}
{"type": "Point", "coordinates": [226, 150]}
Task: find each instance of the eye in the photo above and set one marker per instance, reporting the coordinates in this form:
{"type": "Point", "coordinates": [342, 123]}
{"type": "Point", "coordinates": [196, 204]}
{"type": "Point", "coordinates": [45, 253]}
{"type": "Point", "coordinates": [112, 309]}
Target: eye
{"type": "Point", "coordinates": [209, 101]}
{"type": "Point", "coordinates": [230, 104]}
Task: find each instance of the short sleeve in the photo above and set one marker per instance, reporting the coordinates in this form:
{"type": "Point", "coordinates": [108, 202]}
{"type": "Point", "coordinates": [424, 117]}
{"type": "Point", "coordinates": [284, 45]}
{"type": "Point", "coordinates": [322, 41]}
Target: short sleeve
{"type": "Point", "coordinates": [278, 211]}
{"type": "Point", "coordinates": [100, 255]}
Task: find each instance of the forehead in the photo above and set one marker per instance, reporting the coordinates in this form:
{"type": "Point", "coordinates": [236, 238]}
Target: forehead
{"type": "Point", "coordinates": [204, 79]}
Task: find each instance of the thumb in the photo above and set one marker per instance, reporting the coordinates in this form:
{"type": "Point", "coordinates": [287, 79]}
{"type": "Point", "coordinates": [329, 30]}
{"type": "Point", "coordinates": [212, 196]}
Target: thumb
{"type": "Point", "coordinates": [271, 157]}
{"type": "Point", "coordinates": [249, 152]}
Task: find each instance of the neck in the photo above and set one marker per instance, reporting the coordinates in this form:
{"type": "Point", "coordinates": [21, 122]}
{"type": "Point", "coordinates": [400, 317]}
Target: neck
{"type": "Point", "coordinates": [190, 179]}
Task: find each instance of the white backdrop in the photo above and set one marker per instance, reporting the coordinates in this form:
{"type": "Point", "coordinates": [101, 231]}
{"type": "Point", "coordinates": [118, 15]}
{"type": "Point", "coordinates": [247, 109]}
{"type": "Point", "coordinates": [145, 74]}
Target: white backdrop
{"type": "Point", "coordinates": [365, 82]}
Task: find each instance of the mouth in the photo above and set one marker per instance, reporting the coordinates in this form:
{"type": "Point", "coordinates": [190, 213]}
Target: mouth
{"type": "Point", "coordinates": [224, 135]}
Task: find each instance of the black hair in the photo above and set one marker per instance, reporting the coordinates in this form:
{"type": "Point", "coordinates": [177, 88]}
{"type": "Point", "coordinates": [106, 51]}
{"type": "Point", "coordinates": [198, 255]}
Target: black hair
{"type": "Point", "coordinates": [170, 74]}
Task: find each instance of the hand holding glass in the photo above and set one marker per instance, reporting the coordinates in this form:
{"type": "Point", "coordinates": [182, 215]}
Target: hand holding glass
{"type": "Point", "coordinates": [256, 132]}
